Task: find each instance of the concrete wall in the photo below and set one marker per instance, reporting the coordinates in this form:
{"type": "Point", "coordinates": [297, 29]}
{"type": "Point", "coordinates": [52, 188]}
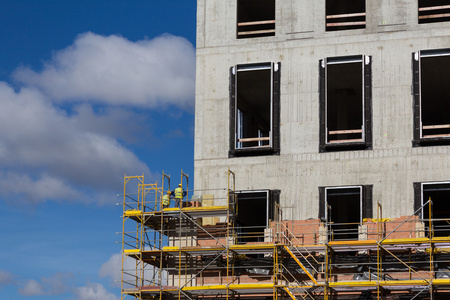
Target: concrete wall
{"type": "Point", "coordinates": [391, 35]}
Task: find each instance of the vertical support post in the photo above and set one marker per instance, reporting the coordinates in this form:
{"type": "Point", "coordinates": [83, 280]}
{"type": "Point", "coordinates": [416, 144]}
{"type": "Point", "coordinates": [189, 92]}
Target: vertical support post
{"type": "Point", "coordinates": [141, 234]}
{"type": "Point", "coordinates": [430, 212]}
{"type": "Point", "coordinates": [231, 181]}
{"type": "Point", "coordinates": [430, 222]}
{"type": "Point", "coordinates": [379, 259]}
{"type": "Point", "coordinates": [162, 234]}
{"type": "Point", "coordinates": [161, 254]}
{"type": "Point", "coordinates": [179, 254]}
{"type": "Point", "coordinates": [186, 177]}
{"type": "Point", "coordinates": [179, 272]}
{"type": "Point", "coordinates": [409, 270]}
{"type": "Point", "coordinates": [164, 191]}
{"type": "Point", "coordinates": [228, 225]}
{"type": "Point", "coordinates": [125, 180]}
{"type": "Point", "coordinates": [275, 265]}
{"type": "Point", "coordinates": [326, 288]}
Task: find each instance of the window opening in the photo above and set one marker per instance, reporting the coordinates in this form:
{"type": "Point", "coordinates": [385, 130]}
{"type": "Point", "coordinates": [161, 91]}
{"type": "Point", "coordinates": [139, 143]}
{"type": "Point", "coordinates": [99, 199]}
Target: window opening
{"type": "Point", "coordinates": [439, 192]}
{"type": "Point", "coordinates": [433, 95]}
{"type": "Point", "coordinates": [346, 95]}
{"type": "Point", "coordinates": [344, 92]}
{"type": "Point", "coordinates": [255, 18]}
{"type": "Point", "coordinates": [431, 11]}
{"type": "Point", "coordinates": [253, 213]}
{"type": "Point", "coordinates": [254, 108]}
{"type": "Point", "coordinates": [345, 14]}
{"type": "Point", "coordinates": [254, 101]}
{"type": "Point", "coordinates": [344, 211]}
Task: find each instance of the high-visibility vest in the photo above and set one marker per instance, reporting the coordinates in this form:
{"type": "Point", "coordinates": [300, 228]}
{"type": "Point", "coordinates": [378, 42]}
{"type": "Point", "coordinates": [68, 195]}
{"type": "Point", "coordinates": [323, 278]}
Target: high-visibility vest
{"type": "Point", "coordinates": [166, 200]}
{"type": "Point", "coordinates": [178, 193]}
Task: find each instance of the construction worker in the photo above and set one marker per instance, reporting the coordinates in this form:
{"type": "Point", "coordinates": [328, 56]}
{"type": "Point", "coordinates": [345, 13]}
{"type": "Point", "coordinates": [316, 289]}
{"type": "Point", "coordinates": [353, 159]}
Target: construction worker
{"type": "Point", "coordinates": [166, 200]}
{"type": "Point", "coordinates": [179, 195]}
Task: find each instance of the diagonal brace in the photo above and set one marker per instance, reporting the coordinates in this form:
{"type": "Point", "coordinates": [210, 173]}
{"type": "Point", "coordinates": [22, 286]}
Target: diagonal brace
{"type": "Point", "coordinates": [188, 217]}
{"type": "Point", "coordinates": [300, 264]}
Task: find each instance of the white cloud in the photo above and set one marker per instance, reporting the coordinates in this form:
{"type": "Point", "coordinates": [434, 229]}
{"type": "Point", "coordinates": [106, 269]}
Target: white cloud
{"type": "Point", "coordinates": [114, 70]}
{"type": "Point", "coordinates": [112, 269]}
{"type": "Point", "coordinates": [116, 122]}
{"type": "Point", "coordinates": [57, 146]}
{"type": "Point", "coordinates": [54, 285]}
{"type": "Point", "coordinates": [38, 189]}
{"type": "Point", "coordinates": [6, 278]}
{"type": "Point", "coordinates": [55, 154]}
{"type": "Point", "coordinates": [32, 288]}
{"type": "Point", "coordinates": [94, 291]}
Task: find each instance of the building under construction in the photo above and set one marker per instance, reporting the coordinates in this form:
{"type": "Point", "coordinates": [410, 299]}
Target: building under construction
{"type": "Point", "coordinates": [322, 158]}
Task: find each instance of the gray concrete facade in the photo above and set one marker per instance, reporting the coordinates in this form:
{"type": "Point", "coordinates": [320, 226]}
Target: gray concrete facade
{"type": "Point", "coordinates": [391, 35]}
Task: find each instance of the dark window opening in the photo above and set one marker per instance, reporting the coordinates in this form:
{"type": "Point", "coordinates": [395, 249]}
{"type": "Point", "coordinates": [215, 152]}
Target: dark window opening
{"type": "Point", "coordinates": [345, 103]}
{"type": "Point", "coordinates": [254, 105]}
{"type": "Point", "coordinates": [254, 211]}
{"type": "Point", "coordinates": [345, 14]}
{"type": "Point", "coordinates": [255, 18]}
{"type": "Point", "coordinates": [439, 193]}
{"type": "Point", "coordinates": [431, 11]}
{"type": "Point", "coordinates": [431, 97]}
{"type": "Point", "coordinates": [343, 210]}
{"type": "Point", "coordinates": [254, 109]}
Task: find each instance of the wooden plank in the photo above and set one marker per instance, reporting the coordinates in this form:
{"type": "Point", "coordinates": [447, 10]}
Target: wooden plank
{"type": "Point", "coordinates": [254, 139]}
{"type": "Point", "coordinates": [345, 131]}
{"type": "Point", "coordinates": [434, 8]}
{"type": "Point", "coordinates": [436, 126]}
{"type": "Point", "coordinates": [208, 201]}
{"type": "Point", "coordinates": [436, 135]}
{"type": "Point", "coordinates": [346, 15]}
{"type": "Point", "coordinates": [256, 23]}
{"type": "Point", "coordinates": [434, 16]}
{"type": "Point", "coordinates": [256, 32]}
{"type": "Point", "coordinates": [345, 24]}
{"type": "Point", "coordinates": [255, 147]}
{"type": "Point", "coordinates": [346, 141]}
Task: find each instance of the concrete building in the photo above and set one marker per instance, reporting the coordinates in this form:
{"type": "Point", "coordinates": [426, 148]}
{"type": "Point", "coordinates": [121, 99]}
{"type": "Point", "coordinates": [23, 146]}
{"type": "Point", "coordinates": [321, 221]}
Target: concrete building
{"type": "Point", "coordinates": [339, 93]}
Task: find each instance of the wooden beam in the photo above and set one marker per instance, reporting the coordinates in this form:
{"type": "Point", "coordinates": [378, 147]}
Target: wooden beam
{"type": "Point", "coordinates": [254, 139]}
{"type": "Point", "coordinates": [436, 135]}
{"type": "Point", "coordinates": [256, 23]}
{"type": "Point", "coordinates": [346, 16]}
{"type": "Point", "coordinates": [345, 131]}
{"type": "Point", "coordinates": [345, 24]}
{"type": "Point", "coordinates": [255, 147]}
{"type": "Point", "coordinates": [434, 16]}
{"type": "Point", "coordinates": [346, 141]}
{"type": "Point", "coordinates": [434, 8]}
{"type": "Point", "coordinates": [256, 32]}
{"type": "Point", "coordinates": [436, 126]}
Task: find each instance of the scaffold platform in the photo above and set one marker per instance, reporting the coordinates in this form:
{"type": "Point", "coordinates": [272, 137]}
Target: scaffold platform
{"type": "Point", "coordinates": [198, 252]}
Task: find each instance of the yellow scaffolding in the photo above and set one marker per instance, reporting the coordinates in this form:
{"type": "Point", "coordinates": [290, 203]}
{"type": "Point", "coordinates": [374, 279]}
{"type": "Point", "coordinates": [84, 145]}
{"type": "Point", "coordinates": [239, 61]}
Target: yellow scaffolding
{"type": "Point", "coordinates": [179, 253]}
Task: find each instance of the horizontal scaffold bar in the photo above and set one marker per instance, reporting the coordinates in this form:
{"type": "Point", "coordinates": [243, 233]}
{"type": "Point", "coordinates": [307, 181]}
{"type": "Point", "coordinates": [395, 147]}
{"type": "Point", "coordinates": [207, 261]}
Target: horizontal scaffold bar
{"type": "Point", "coordinates": [251, 249]}
{"type": "Point", "coordinates": [388, 283]}
{"type": "Point", "coordinates": [224, 287]}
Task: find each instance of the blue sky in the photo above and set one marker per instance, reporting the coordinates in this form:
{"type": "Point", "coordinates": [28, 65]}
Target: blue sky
{"type": "Point", "coordinates": [89, 91]}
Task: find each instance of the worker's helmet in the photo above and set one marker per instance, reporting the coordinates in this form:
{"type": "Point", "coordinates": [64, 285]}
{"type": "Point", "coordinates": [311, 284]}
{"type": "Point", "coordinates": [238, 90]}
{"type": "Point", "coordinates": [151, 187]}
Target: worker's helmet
{"type": "Point", "coordinates": [168, 192]}
{"type": "Point", "coordinates": [179, 184]}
